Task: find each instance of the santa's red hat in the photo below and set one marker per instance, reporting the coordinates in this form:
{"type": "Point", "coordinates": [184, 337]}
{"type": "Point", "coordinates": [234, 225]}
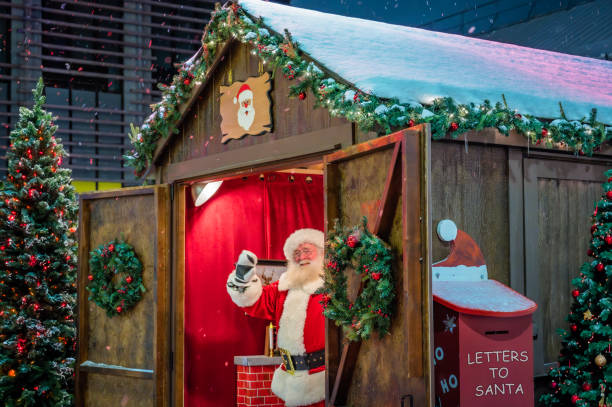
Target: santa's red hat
{"type": "Point", "coordinates": [300, 236]}
{"type": "Point", "coordinates": [243, 88]}
{"type": "Point", "coordinates": [465, 261]}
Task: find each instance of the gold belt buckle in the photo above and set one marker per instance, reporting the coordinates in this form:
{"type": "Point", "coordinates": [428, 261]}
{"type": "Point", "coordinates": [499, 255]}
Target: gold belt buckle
{"type": "Point", "coordinates": [287, 356]}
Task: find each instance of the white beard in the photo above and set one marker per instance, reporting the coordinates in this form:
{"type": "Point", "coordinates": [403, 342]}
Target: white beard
{"type": "Point", "coordinates": [246, 117]}
{"type": "Point", "coordinates": [298, 276]}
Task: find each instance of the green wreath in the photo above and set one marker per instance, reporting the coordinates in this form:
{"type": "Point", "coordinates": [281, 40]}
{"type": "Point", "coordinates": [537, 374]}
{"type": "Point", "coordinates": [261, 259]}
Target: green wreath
{"type": "Point", "coordinates": [115, 277]}
{"type": "Point", "coordinates": [369, 257]}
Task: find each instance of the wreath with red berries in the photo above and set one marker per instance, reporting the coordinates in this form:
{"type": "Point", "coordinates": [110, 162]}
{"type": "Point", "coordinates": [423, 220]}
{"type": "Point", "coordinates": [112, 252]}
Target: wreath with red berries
{"type": "Point", "coordinates": [115, 275]}
{"type": "Point", "coordinates": [357, 250]}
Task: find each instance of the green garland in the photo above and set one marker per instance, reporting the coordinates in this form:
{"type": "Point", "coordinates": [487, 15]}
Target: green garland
{"type": "Point", "coordinates": [370, 112]}
{"type": "Point", "coordinates": [116, 258]}
{"type": "Point", "coordinates": [370, 258]}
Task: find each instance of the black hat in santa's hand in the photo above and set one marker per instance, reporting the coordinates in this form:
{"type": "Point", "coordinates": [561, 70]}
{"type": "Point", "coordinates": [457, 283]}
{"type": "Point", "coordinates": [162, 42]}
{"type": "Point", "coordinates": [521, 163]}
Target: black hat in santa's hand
{"type": "Point", "coordinates": [245, 266]}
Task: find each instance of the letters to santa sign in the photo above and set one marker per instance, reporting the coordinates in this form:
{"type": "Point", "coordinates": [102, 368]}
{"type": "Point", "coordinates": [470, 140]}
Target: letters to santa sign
{"type": "Point", "coordinates": [246, 108]}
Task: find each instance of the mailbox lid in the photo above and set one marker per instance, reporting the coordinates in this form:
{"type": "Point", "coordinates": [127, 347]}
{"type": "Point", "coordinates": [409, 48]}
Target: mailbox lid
{"type": "Point", "coordinates": [486, 298]}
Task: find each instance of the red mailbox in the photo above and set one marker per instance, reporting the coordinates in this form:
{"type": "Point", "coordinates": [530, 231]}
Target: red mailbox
{"type": "Point", "coordinates": [483, 345]}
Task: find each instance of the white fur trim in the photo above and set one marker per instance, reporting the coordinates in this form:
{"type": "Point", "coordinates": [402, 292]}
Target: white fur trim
{"type": "Point", "coordinates": [314, 236]}
{"type": "Point", "coordinates": [447, 230]}
{"type": "Point", "coordinates": [292, 321]}
{"type": "Point", "coordinates": [300, 389]}
{"type": "Point", "coordinates": [249, 296]}
{"type": "Point", "coordinates": [285, 284]}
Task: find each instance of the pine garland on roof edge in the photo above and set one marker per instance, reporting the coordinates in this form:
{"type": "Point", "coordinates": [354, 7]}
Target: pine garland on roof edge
{"type": "Point", "coordinates": [370, 112]}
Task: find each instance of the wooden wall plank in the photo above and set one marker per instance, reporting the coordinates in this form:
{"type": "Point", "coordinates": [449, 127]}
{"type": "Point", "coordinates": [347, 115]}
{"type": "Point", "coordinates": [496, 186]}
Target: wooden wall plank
{"type": "Point", "coordinates": [470, 186]}
{"type": "Point", "coordinates": [163, 306]}
{"type": "Point", "coordinates": [178, 293]}
{"type": "Point", "coordinates": [200, 132]}
{"type": "Point", "coordinates": [105, 391]}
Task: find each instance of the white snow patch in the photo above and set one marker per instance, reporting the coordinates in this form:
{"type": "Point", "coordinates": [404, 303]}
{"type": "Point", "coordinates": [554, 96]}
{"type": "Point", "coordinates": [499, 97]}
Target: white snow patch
{"type": "Point", "coordinates": [416, 64]}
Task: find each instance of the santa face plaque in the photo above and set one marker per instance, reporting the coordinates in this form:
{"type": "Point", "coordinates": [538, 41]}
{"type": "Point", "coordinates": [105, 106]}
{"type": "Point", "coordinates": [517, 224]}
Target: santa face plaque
{"type": "Point", "coordinates": [245, 108]}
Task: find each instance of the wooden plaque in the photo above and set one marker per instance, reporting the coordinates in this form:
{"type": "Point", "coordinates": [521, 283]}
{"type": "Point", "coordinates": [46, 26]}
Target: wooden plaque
{"type": "Point", "coordinates": [246, 107]}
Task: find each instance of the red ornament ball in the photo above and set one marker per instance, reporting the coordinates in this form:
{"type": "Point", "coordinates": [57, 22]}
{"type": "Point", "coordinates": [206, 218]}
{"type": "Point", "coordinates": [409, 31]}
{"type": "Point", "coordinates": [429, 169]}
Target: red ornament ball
{"type": "Point", "coordinates": [302, 95]}
{"type": "Point", "coordinates": [600, 267]}
{"type": "Point", "coordinates": [609, 194]}
{"type": "Point", "coordinates": [608, 240]}
{"type": "Point", "coordinates": [575, 399]}
{"type": "Point", "coordinates": [553, 385]}
{"type": "Point", "coordinates": [376, 276]}
{"type": "Point", "coordinates": [128, 279]}
{"type": "Point", "coordinates": [575, 293]}
{"type": "Point", "coordinates": [454, 126]}
{"type": "Point", "coordinates": [610, 179]}
{"type": "Point", "coordinates": [590, 253]}
{"type": "Point", "coordinates": [90, 277]}
{"type": "Point", "coordinates": [351, 241]}
{"type": "Point", "coordinates": [574, 327]}
{"type": "Point", "coordinates": [410, 123]}
{"type": "Point", "coordinates": [586, 386]}
{"type": "Point", "coordinates": [119, 309]}
{"type": "Point", "coordinates": [544, 132]}
{"type": "Point", "coordinates": [186, 82]}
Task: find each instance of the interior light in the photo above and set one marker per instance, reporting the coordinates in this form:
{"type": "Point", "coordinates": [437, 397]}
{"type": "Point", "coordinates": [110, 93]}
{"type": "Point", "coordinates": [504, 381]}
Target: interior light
{"type": "Point", "coordinates": [203, 191]}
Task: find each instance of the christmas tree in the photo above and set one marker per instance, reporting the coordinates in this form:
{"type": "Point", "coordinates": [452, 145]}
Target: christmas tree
{"type": "Point", "coordinates": [584, 375]}
{"type": "Point", "coordinates": [37, 266]}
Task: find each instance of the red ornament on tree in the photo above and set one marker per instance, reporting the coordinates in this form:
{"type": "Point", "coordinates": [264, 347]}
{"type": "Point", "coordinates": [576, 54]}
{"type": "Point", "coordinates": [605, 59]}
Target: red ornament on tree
{"type": "Point", "coordinates": [186, 82]}
{"type": "Point", "coordinates": [586, 386]}
{"type": "Point", "coordinates": [118, 309]}
{"type": "Point", "coordinates": [518, 116]}
{"type": "Point", "coordinates": [610, 179]}
{"type": "Point", "coordinates": [608, 240]}
{"type": "Point", "coordinates": [351, 241]}
{"type": "Point", "coordinates": [593, 228]}
{"type": "Point", "coordinates": [590, 253]}
{"type": "Point", "coordinates": [553, 385]}
{"type": "Point", "coordinates": [128, 279]}
{"type": "Point", "coordinates": [90, 277]}
{"type": "Point", "coordinates": [575, 399]}
{"type": "Point", "coordinates": [575, 293]}
{"type": "Point", "coordinates": [574, 327]}
{"type": "Point", "coordinates": [410, 123]}
{"type": "Point", "coordinates": [302, 95]}
{"type": "Point", "coordinates": [454, 126]}
{"type": "Point", "coordinates": [600, 267]}
{"type": "Point", "coordinates": [544, 132]}
{"type": "Point", "coordinates": [376, 276]}
{"type": "Point", "coordinates": [609, 194]}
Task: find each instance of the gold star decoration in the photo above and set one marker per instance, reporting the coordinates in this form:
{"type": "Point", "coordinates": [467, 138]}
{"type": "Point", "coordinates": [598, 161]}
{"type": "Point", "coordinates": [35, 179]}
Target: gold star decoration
{"type": "Point", "coordinates": [588, 315]}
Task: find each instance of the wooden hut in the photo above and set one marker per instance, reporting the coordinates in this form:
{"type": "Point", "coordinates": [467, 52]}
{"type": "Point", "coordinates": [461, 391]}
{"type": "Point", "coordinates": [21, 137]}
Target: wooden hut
{"type": "Point", "coordinates": [510, 172]}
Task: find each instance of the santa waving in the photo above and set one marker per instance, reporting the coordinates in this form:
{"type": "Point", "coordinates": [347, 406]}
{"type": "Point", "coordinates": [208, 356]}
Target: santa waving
{"type": "Point", "coordinates": [292, 303]}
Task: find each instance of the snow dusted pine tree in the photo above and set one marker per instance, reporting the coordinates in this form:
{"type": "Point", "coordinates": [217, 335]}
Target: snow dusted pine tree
{"type": "Point", "coordinates": [37, 266]}
{"type": "Point", "coordinates": [584, 375]}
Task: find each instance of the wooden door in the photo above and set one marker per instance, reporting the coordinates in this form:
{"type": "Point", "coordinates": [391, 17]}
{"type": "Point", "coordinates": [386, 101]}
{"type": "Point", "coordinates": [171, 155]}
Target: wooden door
{"type": "Point", "coordinates": [559, 198]}
{"type": "Point", "coordinates": [386, 179]}
{"type": "Point", "coordinates": [125, 360]}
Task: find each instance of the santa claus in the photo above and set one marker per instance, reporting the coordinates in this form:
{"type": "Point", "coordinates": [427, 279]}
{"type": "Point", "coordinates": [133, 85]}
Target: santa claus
{"type": "Point", "coordinates": [246, 110]}
{"type": "Point", "coordinates": [292, 303]}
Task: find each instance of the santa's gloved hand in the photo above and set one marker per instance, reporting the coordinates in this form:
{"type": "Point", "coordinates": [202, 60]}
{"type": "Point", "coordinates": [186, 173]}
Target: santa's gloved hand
{"type": "Point", "coordinates": [245, 267]}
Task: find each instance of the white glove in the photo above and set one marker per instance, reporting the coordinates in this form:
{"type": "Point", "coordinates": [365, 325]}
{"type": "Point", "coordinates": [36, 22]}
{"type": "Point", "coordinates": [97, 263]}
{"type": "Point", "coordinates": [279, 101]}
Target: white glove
{"type": "Point", "coordinates": [245, 266]}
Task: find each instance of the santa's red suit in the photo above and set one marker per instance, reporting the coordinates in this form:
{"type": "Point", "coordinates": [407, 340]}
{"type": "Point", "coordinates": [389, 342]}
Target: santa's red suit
{"type": "Point", "coordinates": [298, 314]}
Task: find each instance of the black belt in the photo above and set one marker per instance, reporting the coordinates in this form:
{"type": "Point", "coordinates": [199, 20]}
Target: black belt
{"type": "Point", "coordinates": [303, 362]}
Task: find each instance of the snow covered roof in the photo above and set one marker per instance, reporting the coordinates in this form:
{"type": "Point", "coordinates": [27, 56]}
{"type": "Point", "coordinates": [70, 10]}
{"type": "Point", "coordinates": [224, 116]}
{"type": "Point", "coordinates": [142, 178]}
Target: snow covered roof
{"type": "Point", "coordinates": [416, 65]}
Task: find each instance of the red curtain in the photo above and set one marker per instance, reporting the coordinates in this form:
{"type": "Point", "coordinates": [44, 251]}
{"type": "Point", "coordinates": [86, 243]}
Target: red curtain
{"type": "Point", "coordinates": [252, 214]}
